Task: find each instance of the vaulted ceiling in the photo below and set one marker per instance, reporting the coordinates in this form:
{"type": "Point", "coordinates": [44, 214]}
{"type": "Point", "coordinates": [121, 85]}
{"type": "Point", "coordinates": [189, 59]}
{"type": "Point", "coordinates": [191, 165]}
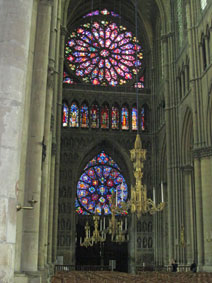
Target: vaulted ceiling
{"type": "Point", "coordinates": [147, 13]}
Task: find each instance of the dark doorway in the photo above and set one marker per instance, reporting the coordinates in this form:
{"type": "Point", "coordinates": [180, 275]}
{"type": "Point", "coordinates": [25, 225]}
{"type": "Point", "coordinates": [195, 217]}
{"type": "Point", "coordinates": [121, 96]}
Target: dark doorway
{"type": "Point", "coordinates": [101, 254]}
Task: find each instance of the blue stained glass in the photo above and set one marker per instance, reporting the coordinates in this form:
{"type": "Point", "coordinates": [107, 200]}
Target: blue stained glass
{"type": "Point", "coordinates": [95, 197]}
{"type": "Point", "coordinates": [106, 171]}
{"type": "Point", "coordinates": [82, 186]}
{"type": "Point", "coordinates": [65, 115]}
{"type": "Point", "coordinates": [92, 190]}
{"type": "Point", "coordinates": [102, 190]}
{"type": "Point", "coordinates": [142, 119]}
{"type": "Point", "coordinates": [85, 178]}
{"type": "Point", "coordinates": [98, 171]}
{"type": "Point", "coordinates": [82, 193]}
{"type": "Point", "coordinates": [134, 119]}
{"type": "Point", "coordinates": [74, 116]}
{"type": "Point", "coordinates": [91, 163]}
{"type": "Point", "coordinates": [115, 118]}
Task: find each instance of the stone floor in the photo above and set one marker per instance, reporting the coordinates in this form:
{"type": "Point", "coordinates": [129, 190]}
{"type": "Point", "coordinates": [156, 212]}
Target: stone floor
{"type": "Point", "coordinates": [143, 277]}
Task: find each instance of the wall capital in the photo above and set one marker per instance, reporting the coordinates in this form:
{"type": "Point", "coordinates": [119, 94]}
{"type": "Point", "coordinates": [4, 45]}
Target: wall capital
{"type": "Point", "coordinates": [54, 148]}
{"type": "Point", "coordinates": [202, 152]}
{"type": "Point", "coordinates": [47, 2]}
{"type": "Point", "coordinates": [63, 30]}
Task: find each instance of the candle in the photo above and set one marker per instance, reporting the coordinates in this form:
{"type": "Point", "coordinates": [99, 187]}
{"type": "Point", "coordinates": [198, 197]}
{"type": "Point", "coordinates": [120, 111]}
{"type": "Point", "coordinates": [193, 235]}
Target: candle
{"type": "Point", "coordinates": [162, 199]}
{"type": "Point", "coordinates": [104, 223]}
{"type": "Point", "coordinates": [154, 195]}
{"type": "Point", "coordinates": [80, 240]}
{"type": "Point", "coordinates": [101, 225]}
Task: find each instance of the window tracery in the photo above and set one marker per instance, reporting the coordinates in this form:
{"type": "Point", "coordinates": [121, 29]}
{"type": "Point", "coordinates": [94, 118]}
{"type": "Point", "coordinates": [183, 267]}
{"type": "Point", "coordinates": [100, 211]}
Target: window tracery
{"type": "Point", "coordinates": [104, 117]}
{"type": "Point", "coordinates": [103, 52]}
{"type": "Point", "coordinates": [100, 178]}
{"type": "Point", "coordinates": [74, 115]}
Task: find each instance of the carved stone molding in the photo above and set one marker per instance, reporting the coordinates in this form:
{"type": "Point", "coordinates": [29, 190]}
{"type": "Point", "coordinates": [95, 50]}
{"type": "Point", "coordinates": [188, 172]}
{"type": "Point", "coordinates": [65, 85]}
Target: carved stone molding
{"type": "Point", "coordinates": [50, 79]}
{"type": "Point", "coordinates": [52, 122]}
{"type": "Point", "coordinates": [187, 168]}
{"type": "Point", "coordinates": [63, 30]}
{"type": "Point", "coordinates": [47, 2]}
{"type": "Point", "coordinates": [202, 152]}
{"type": "Point", "coordinates": [54, 148]}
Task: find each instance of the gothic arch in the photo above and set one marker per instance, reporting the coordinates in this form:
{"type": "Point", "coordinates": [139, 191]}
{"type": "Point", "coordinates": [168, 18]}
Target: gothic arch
{"type": "Point", "coordinates": [187, 138]}
{"type": "Point", "coordinates": [209, 118]}
{"type": "Point", "coordinates": [113, 149]}
{"type": "Point", "coordinates": [163, 161]}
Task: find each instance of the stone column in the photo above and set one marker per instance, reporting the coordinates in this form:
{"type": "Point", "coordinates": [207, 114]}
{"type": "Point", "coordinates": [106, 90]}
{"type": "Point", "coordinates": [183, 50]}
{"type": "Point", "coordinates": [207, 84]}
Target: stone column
{"type": "Point", "coordinates": [47, 184]}
{"type": "Point", "coordinates": [189, 218]}
{"type": "Point", "coordinates": [199, 215]}
{"type": "Point", "coordinates": [168, 119]}
{"type": "Point", "coordinates": [206, 169]}
{"type": "Point", "coordinates": [57, 138]}
{"type": "Point", "coordinates": [132, 244]}
{"type": "Point", "coordinates": [24, 144]}
{"type": "Point", "coordinates": [36, 133]}
{"type": "Point", "coordinates": [15, 23]}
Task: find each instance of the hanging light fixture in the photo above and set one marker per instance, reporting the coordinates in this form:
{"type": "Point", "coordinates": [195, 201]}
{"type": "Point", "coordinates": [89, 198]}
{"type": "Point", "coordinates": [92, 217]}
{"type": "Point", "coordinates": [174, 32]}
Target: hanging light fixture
{"type": "Point", "coordinates": [139, 203]}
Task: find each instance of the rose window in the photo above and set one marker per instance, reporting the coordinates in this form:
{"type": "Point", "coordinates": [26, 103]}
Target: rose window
{"type": "Point", "coordinates": [103, 53]}
{"type": "Point", "coordinates": [99, 180]}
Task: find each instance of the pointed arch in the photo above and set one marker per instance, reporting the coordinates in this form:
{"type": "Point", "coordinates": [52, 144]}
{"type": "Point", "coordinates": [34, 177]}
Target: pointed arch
{"type": "Point", "coordinates": [125, 117]}
{"type": "Point", "coordinates": [209, 117]}
{"type": "Point", "coordinates": [84, 115]}
{"type": "Point", "coordinates": [74, 115]}
{"type": "Point", "coordinates": [187, 138]}
{"type": "Point", "coordinates": [94, 115]}
{"type": "Point", "coordinates": [134, 118]}
{"type": "Point", "coordinates": [65, 114]}
{"type": "Point", "coordinates": [104, 119]}
{"type": "Point", "coordinates": [115, 116]}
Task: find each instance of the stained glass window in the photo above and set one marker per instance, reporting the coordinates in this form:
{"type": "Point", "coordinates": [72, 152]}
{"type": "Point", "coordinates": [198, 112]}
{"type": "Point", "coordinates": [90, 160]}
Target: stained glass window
{"type": "Point", "coordinates": [134, 118]}
{"type": "Point", "coordinates": [103, 12]}
{"type": "Point", "coordinates": [65, 115]}
{"type": "Point", "coordinates": [103, 53]}
{"type": "Point", "coordinates": [94, 116]}
{"type": "Point", "coordinates": [143, 126]}
{"type": "Point", "coordinates": [125, 118]}
{"type": "Point", "coordinates": [105, 117]}
{"type": "Point", "coordinates": [74, 115]}
{"type": "Point", "coordinates": [67, 79]}
{"type": "Point", "coordinates": [140, 83]}
{"type": "Point", "coordinates": [100, 178]}
{"type": "Point", "coordinates": [115, 117]}
{"type": "Point", "coordinates": [84, 116]}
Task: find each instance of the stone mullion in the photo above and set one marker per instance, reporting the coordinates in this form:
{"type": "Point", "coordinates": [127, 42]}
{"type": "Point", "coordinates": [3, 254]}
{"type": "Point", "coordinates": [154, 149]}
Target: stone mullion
{"type": "Point", "coordinates": [199, 214]}
{"type": "Point", "coordinates": [209, 45]}
{"type": "Point", "coordinates": [55, 31]}
{"type": "Point", "coordinates": [195, 72]}
{"type": "Point", "coordinates": [13, 95]}
{"type": "Point", "coordinates": [206, 178]}
{"type": "Point", "coordinates": [207, 51]}
{"type": "Point", "coordinates": [188, 220]}
{"type": "Point", "coordinates": [168, 143]}
{"type": "Point", "coordinates": [57, 136]}
{"type": "Point", "coordinates": [46, 169]}
{"type": "Point", "coordinates": [34, 157]}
